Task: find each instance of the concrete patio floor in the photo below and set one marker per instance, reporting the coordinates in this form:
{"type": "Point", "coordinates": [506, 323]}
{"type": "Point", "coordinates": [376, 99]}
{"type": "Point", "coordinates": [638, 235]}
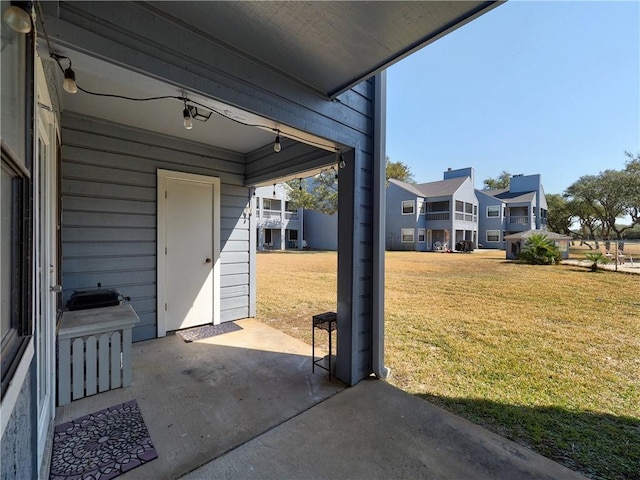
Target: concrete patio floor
{"type": "Point", "coordinates": [246, 405]}
{"type": "Point", "coordinates": [201, 399]}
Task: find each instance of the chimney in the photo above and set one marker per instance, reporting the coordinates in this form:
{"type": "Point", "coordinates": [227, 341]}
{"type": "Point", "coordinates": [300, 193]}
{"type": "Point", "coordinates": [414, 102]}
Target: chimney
{"type": "Point", "coordinates": [449, 169]}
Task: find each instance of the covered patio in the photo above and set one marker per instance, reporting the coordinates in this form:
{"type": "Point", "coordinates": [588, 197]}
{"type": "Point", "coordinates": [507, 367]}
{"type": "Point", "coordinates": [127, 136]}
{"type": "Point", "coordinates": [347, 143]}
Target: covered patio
{"type": "Point", "coordinates": [245, 404]}
{"type": "Point", "coordinates": [205, 398]}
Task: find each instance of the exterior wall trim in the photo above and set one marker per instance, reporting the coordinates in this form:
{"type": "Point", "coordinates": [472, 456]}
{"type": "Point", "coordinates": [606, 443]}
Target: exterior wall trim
{"type": "Point", "coordinates": [15, 385]}
{"type": "Point", "coordinates": [379, 224]}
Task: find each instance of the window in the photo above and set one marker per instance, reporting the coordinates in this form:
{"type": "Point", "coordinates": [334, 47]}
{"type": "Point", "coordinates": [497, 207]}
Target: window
{"type": "Point", "coordinates": [266, 204]}
{"type": "Point", "coordinates": [15, 265]}
{"type": "Point", "coordinates": [407, 235]}
{"type": "Point", "coordinates": [421, 235]}
{"type": "Point", "coordinates": [15, 200]}
{"type": "Point", "coordinates": [493, 211]}
{"type": "Point", "coordinates": [293, 234]}
{"type": "Point", "coordinates": [408, 207]}
{"type": "Point", "coordinates": [468, 208]}
{"type": "Point", "coordinates": [422, 207]}
{"type": "Point", "coordinates": [438, 206]}
{"type": "Point", "coordinates": [267, 236]}
{"type": "Point", "coordinates": [493, 235]}
{"type": "Point", "coordinates": [459, 206]}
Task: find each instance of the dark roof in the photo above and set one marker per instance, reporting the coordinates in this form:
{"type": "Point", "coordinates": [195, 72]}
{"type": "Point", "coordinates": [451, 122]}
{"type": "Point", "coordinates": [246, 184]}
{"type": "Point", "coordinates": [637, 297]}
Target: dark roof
{"type": "Point", "coordinates": [505, 194]}
{"type": "Point", "coordinates": [442, 188]}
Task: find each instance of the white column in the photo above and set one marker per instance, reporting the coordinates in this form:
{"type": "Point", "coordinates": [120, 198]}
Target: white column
{"type": "Point", "coordinates": [301, 230]}
{"type": "Point", "coordinates": [282, 221]}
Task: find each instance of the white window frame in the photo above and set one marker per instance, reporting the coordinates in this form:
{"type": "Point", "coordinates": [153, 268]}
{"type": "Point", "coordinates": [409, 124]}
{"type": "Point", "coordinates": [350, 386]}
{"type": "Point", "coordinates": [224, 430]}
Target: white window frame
{"type": "Point", "coordinates": [405, 231]}
{"type": "Point", "coordinates": [491, 207]}
{"type": "Point", "coordinates": [422, 207]}
{"type": "Point", "coordinates": [421, 235]}
{"type": "Point", "coordinates": [413, 207]}
{"type": "Point", "coordinates": [495, 232]}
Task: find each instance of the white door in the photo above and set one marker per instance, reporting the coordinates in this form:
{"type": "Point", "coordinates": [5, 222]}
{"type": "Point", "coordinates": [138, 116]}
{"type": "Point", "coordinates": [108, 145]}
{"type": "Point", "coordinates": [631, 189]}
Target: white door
{"type": "Point", "coordinates": [45, 263]}
{"type": "Point", "coordinates": [187, 221]}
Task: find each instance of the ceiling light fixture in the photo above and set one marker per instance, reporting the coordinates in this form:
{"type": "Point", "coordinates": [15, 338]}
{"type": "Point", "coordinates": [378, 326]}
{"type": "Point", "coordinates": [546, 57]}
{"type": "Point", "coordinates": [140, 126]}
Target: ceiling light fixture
{"type": "Point", "coordinates": [186, 114]}
{"type": "Point", "coordinates": [197, 115]}
{"type": "Point", "coordinates": [69, 83]}
{"type": "Point", "coordinates": [276, 145]}
{"type": "Point", "coordinates": [341, 162]}
{"type": "Point", "coordinates": [18, 16]}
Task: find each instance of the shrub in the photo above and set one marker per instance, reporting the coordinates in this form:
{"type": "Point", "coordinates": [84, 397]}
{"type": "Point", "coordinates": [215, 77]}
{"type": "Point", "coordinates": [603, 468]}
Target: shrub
{"type": "Point", "coordinates": [596, 258]}
{"type": "Point", "coordinates": [539, 250]}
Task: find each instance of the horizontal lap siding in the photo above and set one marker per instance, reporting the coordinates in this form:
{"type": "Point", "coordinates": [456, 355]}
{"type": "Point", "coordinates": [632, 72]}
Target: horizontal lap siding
{"type": "Point", "coordinates": [109, 213]}
{"type": "Point", "coordinates": [134, 35]}
{"type": "Point", "coordinates": [363, 255]}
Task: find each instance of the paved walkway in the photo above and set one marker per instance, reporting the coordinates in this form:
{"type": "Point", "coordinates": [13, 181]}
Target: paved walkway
{"type": "Point", "coordinates": [623, 267]}
{"type": "Point", "coordinates": [376, 431]}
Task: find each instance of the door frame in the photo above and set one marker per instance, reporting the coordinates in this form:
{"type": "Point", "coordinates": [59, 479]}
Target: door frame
{"type": "Point", "coordinates": [163, 177]}
{"type": "Point", "coordinates": [45, 185]}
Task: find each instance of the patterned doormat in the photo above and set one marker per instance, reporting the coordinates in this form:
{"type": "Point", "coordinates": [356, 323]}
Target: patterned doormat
{"type": "Point", "coordinates": [101, 445]}
{"type": "Point", "coordinates": [206, 331]}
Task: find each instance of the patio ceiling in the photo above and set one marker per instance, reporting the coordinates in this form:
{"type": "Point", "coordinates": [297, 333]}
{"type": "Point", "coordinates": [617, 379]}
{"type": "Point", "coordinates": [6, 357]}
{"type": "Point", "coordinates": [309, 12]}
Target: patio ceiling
{"type": "Point", "coordinates": [326, 47]}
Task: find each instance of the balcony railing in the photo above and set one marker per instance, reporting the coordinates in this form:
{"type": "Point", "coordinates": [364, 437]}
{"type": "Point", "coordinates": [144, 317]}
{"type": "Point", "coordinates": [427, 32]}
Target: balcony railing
{"type": "Point", "coordinates": [438, 216]}
{"type": "Point", "coordinates": [524, 220]}
{"type": "Point", "coordinates": [276, 215]}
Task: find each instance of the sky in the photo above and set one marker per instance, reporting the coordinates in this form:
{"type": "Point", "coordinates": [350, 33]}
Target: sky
{"type": "Point", "coordinates": [530, 87]}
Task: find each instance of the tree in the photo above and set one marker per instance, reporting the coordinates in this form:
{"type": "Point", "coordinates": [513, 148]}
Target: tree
{"type": "Point", "coordinates": [603, 197]}
{"type": "Point", "coordinates": [502, 181]}
{"type": "Point", "coordinates": [300, 196]}
{"type": "Point", "coordinates": [319, 193]}
{"type": "Point", "coordinates": [539, 250]}
{"type": "Point", "coordinates": [560, 215]}
{"type": "Point", "coordinates": [399, 171]}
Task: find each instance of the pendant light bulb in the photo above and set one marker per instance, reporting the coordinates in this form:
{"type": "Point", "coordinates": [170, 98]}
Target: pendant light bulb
{"type": "Point", "coordinates": [342, 163]}
{"type": "Point", "coordinates": [276, 145]}
{"type": "Point", "coordinates": [300, 188]}
{"type": "Point", "coordinates": [17, 18]}
{"type": "Point", "coordinates": [188, 121]}
{"type": "Point", "coordinates": [69, 83]}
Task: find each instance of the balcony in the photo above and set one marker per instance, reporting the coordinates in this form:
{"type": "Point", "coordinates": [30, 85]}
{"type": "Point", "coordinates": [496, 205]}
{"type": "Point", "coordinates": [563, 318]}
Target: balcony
{"type": "Point", "coordinates": [518, 220]}
{"type": "Point", "coordinates": [275, 217]}
{"type": "Point", "coordinates": [438, 216]}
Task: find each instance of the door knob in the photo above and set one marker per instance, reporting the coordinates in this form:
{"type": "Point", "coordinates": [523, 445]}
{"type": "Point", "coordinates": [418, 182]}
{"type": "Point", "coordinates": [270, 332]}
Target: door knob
{"type": "Point", "coordinates": [208, 260]}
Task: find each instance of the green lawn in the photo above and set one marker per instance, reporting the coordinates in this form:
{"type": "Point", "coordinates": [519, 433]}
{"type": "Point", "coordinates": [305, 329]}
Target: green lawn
{"type": "Point", "coordinates": [548, 356]}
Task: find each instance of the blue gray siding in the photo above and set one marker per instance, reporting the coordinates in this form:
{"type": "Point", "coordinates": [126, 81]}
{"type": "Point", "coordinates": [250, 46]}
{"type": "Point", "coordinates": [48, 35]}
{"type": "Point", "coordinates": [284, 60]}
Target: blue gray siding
{"type": "Point", "coordinates": [321, 230]}
{"type": "Point", "coordinates": [396, 221]}
{"type": "Point", "coordinates": [109, 213]}
{"type": "Point", "coordinates": [135, 36]}
{"type": "Point", "coordinates": [489, 223]}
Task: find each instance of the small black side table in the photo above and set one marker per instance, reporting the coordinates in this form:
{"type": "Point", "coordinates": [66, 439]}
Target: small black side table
{"type": "Point", "coordinates": [323, 321]}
